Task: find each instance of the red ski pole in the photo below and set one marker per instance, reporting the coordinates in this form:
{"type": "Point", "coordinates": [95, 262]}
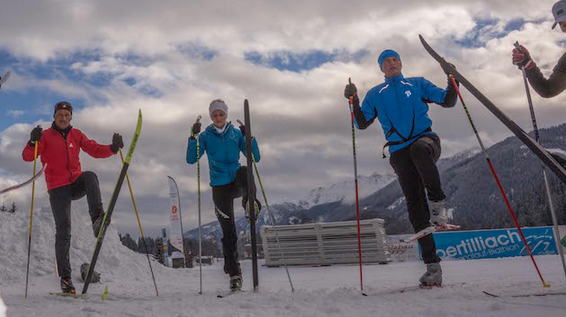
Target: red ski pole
{"type": "Point", "coordinates": [498, 183]}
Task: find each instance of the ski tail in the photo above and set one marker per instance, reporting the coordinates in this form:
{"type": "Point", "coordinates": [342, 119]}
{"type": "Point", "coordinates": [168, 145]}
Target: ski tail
{"type": "Point", "coordinates": [251, 196]}
{"type": "Point", "coordinates": [428, 230]}
{"type": "Point", "coordinates": [29, 181]}
{"type": "Point", "coordinates": [111, 204]}
{"type": "Point", "coordinates": [4, 78]}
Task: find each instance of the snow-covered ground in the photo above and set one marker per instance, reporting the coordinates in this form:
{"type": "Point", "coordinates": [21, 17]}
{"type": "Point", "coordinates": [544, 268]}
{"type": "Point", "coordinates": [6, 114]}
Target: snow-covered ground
{"type": "Point", "coordinates": [319, 291]}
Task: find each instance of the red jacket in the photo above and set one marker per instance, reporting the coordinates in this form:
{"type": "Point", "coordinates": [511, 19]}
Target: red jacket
{"type": "Point", "coordinates": [62, 155]}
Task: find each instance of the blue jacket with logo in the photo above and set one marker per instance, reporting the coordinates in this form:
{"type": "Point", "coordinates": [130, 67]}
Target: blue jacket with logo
{"type": "Point", "coordinates": [223, 150]}
{"type": "Point", "coordinates": [399, 104]}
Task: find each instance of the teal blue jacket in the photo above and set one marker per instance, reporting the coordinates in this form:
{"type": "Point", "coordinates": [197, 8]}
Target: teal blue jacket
{"type": "Point", "coordinates": [223, 151]}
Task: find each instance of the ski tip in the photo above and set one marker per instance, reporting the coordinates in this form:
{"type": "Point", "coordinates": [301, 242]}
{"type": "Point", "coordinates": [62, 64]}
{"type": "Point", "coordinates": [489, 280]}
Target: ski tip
{"type": "Point", "coordinates": [490, 294]}
{"type": "Point", "coordinates": [246, 103]}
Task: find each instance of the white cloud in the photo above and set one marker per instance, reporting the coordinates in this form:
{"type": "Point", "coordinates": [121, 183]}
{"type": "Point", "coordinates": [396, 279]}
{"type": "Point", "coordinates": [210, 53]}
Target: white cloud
{"type": "Point", "coordinates": [300, 118]}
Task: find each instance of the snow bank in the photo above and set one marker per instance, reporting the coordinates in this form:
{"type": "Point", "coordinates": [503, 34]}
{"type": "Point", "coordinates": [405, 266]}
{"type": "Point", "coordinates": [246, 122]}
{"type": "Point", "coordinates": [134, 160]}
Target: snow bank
{"type": "Point", "coordinates": [2, 307]}
{"type": "Point", "coordinates": [115, 260]}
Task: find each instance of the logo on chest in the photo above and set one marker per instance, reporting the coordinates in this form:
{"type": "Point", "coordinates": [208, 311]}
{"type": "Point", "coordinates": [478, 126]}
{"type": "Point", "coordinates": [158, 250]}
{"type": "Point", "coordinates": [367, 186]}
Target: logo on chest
{"type": "Point", "coordinates": [408, 93]}
{"type": "Point", "coordinates": [71, 145]}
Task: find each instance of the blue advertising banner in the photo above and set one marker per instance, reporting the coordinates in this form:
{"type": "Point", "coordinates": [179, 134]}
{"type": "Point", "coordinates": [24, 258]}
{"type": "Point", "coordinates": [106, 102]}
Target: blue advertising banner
{"type": "Point", "coordinates": [482, 244]}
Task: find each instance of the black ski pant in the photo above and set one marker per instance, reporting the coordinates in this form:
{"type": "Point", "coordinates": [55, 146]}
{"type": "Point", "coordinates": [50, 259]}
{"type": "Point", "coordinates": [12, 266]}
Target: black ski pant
{"type": "Point", "coordinates": [415, 166]}
{"type": "Point", "coordinates": [223, 197]}
{"type": "Point", "coordinates": [60, 199]}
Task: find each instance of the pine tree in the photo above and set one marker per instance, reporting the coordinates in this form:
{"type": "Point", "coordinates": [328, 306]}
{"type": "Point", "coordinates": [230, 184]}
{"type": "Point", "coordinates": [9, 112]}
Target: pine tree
{"type": "Point", "coordinates": [158, 251]}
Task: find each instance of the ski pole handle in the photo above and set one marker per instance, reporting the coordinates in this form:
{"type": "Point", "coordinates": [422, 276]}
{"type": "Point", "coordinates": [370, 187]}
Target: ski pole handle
{"type": "Point", "coordinates": [239, 121]}
{"type": "Point", "coordinates": [198, 118]}
{"type": "Point", "coordinates": [517, 45]}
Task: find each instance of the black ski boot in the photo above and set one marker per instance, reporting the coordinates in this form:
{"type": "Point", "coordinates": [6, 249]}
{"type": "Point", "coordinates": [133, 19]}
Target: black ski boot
{"type": "Point", "coordinates": [235, 283]}
{"type": "Point", "coordinates": [67, 286]}
{"type": "Point", "coordinates": [97, 224]}
{"type": "Point", "coordinates": [257, 207]}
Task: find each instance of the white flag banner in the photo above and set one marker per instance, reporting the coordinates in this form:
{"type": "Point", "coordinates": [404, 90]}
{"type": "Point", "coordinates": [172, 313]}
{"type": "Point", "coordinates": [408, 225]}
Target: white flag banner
{"type": "Point", "coordinates": [175, 233]}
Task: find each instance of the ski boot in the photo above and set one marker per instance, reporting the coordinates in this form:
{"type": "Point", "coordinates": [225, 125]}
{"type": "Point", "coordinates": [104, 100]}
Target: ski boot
{"type": "Point", "coordinates": [235, 283]}
{"type": "Point", "coordinates": [67, 286]}
{"type": "Point", "coordinates": [257, 207]}
{"type": "Point", "coordinates": [432, 276]}
{"type": "Point", "coordinates": [438, 214]}
{"type": "Point", "coordinates": [97, 224]}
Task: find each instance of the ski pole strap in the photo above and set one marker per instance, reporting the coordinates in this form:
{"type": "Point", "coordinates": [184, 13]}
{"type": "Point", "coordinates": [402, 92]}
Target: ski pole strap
{"type": "Point", "coordinates": [391, 143]}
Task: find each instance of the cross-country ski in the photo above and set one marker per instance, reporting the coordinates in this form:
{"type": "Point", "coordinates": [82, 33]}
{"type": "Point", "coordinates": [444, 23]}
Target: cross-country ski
{"type": "Point", "coordinates": [108, 214]}
{"type": "Point", "coordinates": [29, 181]}
{"type": "Point", "coordinates": [4, 78]}
{"type": "Point", "coordinates": [429, 230]}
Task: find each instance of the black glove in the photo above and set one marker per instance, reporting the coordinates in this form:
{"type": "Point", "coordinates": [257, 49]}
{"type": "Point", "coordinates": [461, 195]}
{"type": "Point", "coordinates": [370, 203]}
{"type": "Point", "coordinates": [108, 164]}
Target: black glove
{"type": "Point", "coordinates": [35, 135]}
{"type": "Point", "coordinates": [350, 90]}
{"type": "Point", "coordinates": [195, 130]}
{"type": "Point", "coordinates": [117, 143]}
{"type": "Point", "coordinates": [243, 129]}
{"type": "Point", "coordinates": [447, 71]}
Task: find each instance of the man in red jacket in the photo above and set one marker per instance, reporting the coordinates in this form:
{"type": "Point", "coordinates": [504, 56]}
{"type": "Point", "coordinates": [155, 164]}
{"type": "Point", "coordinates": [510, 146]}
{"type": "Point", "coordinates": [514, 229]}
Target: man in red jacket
{"type": "Point", "coordinates": [59, 148]}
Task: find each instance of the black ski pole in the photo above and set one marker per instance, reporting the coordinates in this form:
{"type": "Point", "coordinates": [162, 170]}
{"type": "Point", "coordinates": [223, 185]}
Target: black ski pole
{"type": "Point", "coordinates": [546, 183]}
{"type": "Point", "coordinates": [497, 180]}
{"type": "Point", "coordinates": [351, 104]}
{"type": "Point", "coordinates": [199, 213]}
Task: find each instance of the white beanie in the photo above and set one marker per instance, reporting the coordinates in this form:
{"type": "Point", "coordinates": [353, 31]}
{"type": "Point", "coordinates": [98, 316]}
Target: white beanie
{"type": "Point", "coordinates": [218, 104]}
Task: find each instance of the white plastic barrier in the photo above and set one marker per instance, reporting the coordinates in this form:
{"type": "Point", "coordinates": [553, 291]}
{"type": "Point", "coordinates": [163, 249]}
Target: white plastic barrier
{"type": "Point", "coordinates": [326, 243]}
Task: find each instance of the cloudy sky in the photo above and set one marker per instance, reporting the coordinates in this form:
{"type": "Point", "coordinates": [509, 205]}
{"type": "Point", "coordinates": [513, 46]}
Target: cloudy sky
{"type": "Point", "coordinates": [291, 60]}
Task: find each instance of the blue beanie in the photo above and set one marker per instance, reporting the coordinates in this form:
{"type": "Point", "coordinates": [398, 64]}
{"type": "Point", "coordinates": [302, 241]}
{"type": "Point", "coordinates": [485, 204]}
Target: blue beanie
{"type": "Point", "coordinates": [385, 54]}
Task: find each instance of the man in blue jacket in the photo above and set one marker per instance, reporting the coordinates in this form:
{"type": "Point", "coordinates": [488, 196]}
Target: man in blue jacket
{"type": "Point", "coordinates": [223, 144]}
{"type": "Point", "coordinates": [400, 105]}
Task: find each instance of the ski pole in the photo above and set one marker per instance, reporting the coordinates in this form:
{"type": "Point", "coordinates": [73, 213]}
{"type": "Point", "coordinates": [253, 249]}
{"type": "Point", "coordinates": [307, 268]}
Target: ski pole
{"type": "Point", "coordinates": [546, 184]}
{"type": "Point", "coordinates": [497, 180]}
{"type": "Point", "coordinates": [351, 104]}
{"type": "Point", "coordinates": [31, 216]}
{"type": "Point", "coordinates": [199, 213]}
{"type": "Point", "coordinates": [139, 224]}
{"type": "Point", "coordinates": [272, 220]}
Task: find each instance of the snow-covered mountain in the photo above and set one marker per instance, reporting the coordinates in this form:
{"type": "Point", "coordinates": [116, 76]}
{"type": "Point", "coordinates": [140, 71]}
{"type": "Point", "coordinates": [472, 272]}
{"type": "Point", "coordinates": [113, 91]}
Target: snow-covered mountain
{"type": "Point", "coordinates": [344, 191]}
{"type": "Point", "coordinates": [318, 206]}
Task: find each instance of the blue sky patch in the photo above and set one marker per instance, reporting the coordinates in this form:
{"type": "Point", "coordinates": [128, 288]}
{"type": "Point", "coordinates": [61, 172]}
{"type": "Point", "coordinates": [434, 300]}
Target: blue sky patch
{"type": "Point", "coordinates": [296, 62]}
{"type": "Point", "coordinates": [488, 29]}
